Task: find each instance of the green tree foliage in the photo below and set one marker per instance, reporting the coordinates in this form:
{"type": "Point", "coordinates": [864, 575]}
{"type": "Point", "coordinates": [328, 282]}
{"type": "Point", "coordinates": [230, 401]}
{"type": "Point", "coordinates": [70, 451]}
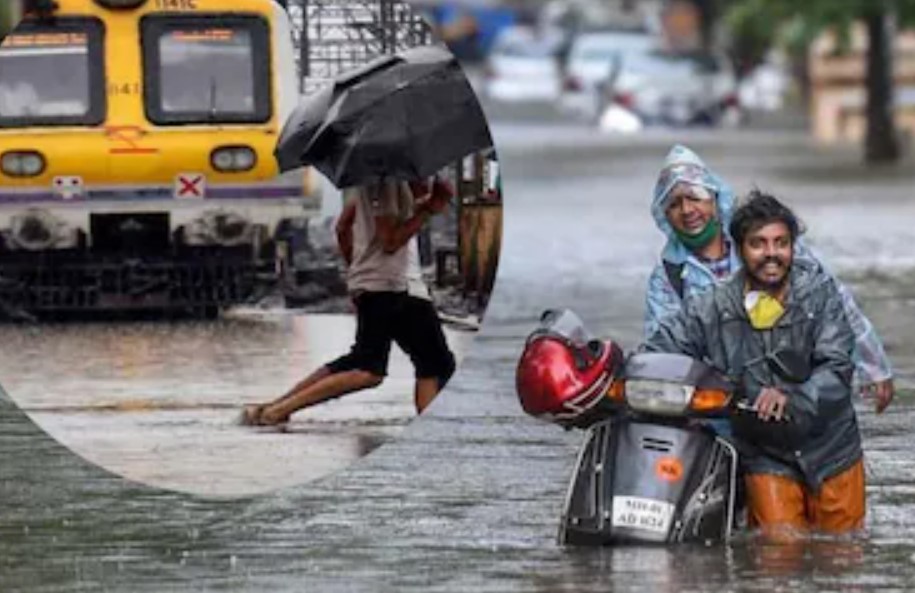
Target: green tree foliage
{"type": "Point", "coordinates": [752, 26]}
{"type": "Point", "coordinates": [9, 15]}
{"type": "Point", "coordinates": [6, 19]}
{"type": "Point", "coordinates": [757, 25]}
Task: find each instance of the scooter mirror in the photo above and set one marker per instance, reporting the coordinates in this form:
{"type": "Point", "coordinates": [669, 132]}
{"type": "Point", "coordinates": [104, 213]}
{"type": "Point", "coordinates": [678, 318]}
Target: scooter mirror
{"type": "Point", "coordinates": [789, 364]}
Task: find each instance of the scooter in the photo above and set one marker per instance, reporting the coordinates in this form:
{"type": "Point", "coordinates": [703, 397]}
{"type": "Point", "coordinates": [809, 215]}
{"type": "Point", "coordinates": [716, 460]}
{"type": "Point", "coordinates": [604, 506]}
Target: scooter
{"type": "Point", "coordinates": [651, 468]}
{"type": "Point", "coordinates": [651, 473]}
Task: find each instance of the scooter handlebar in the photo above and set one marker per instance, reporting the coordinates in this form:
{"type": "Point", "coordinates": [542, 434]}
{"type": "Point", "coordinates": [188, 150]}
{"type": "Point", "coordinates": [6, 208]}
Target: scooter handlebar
{"type": "Point", "coordinates": [746, 407]}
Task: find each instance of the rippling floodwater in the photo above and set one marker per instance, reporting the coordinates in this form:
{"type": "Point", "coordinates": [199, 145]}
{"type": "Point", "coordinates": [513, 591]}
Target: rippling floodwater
{"type": "Point", "coordinates": [468, 498]}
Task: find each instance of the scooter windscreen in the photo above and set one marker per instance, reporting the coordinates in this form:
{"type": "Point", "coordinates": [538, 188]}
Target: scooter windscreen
{"type": "Point", "coordinates": [675, 368]}
{"type": "Point", "coordinates": [565, 325]}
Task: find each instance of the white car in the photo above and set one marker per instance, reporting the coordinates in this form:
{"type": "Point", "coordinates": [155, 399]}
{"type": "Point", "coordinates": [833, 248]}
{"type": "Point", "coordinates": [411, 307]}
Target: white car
{"type": "Point", "coordinates": [676, 89]}
{"type": "Point", "coordinates": [765, 87]}
{"type": "Point", "coordinates": [523, 66]}
{"type": "Point", "coordinates": [593, 60]}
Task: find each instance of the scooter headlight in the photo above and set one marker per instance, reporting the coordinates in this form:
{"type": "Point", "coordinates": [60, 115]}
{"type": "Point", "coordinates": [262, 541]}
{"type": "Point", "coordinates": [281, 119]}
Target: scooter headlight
{"type": "Point", "coordinates": [658, 397]}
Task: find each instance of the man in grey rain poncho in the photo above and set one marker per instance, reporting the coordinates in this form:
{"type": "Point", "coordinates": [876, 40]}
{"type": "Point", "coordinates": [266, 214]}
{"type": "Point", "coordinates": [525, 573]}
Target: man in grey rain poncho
{"type": "Point", "coordinates": [807, 472]}
{"type": "Point", "coordinates": [692, 206]}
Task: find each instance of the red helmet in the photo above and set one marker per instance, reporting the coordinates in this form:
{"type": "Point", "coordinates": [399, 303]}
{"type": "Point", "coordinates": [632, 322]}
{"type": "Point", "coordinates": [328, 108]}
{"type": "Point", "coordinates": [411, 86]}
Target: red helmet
{"type": "Point", "coordinates": [564, 373]}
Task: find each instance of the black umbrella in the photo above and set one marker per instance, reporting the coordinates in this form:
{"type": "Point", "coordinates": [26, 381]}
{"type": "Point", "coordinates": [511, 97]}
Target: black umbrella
{"type": "Point", "coordinates": [402, 117]}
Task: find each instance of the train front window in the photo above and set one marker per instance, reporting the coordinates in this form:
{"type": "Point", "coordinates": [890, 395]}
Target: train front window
{"type": "Point", "coordinates": [198, 72]}
{"type": "Point", "coordinates": [52, 74]}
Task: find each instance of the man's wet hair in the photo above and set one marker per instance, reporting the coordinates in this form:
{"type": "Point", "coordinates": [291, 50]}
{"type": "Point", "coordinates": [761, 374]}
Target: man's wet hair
{"type": "Point", "coordinates": [758, 210]}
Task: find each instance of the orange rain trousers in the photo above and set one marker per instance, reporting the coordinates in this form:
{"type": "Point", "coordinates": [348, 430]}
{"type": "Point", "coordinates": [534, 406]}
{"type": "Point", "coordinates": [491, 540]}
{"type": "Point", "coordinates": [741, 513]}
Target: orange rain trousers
{"type": "Point", "coordinates": [776, 503]}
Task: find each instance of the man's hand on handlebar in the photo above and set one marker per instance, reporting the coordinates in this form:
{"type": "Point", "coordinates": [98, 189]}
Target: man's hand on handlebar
{"type": "Point", "coordinates": [770, 404]}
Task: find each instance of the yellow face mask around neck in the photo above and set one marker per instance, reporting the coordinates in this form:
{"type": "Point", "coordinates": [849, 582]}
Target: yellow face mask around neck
{"type": "Point", "coordinates": [764, 310]}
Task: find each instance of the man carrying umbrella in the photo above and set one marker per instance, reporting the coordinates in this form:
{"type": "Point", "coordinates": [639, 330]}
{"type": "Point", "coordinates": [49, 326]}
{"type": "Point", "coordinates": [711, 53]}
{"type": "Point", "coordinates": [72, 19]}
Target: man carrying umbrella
{"type": "Point", "coordinates": [397, 117]}
{"type": "Point", "coordinates": [376, 235]}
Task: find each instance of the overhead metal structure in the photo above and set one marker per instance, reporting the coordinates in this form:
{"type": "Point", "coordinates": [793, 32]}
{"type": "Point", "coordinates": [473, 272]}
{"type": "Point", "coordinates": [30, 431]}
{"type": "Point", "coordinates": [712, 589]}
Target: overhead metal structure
{"type": "Point", "coordinates": [337, 35]}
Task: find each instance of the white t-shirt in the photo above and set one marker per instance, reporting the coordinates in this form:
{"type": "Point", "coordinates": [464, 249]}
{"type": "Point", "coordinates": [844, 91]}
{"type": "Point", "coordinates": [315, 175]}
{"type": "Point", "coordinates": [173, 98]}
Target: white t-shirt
{"type": "Point", "coordinates": [372, 269]}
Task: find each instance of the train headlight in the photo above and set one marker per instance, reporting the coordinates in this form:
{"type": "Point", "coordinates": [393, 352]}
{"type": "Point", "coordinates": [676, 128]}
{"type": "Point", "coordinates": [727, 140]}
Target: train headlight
{"type": "Point", "coordinates": [115, 4]}
{"type": "Point", "coordinates": [24, 163]}
{"type": "Point", "coordinates": [233, 159]}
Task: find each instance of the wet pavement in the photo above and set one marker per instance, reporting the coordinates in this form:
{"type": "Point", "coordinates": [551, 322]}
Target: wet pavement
{"type": "Point", "coordinates": [159, 403]}
{"type": "Point", "coordinates": [468, 498]}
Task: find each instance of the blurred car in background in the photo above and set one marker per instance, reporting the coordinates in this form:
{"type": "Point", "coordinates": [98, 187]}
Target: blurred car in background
{"type": "Point", "coordinates": [524, 66]}
{"type": "Point", "coordinates": [766, 86]}
{"type": "Point", "coordinates": [676, 89]}
{"type": "Point", "coordinates": [593, 59]}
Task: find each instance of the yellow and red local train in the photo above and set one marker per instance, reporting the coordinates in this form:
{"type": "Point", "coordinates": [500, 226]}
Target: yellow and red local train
{"type": "Point", "coordinates": [136, 154]}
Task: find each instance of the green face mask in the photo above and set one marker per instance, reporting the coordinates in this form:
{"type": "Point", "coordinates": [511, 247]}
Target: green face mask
{"type": "Point", "coordinates": [702, 238]}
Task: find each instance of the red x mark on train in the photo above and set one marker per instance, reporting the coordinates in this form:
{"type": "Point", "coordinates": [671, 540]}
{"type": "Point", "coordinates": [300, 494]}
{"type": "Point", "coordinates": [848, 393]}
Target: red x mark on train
{"type": "Point", "coordinates": [190, 186]}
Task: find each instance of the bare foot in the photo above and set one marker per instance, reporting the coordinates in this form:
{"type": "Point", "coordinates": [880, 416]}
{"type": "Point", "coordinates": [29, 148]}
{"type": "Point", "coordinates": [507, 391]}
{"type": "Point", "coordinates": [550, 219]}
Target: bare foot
{"type": "Point", "coordinates": [251, 415]}
{"type": "Point", "coordinates": [265, 418]}
{"type": "Point", "coordinates": [257, 415]}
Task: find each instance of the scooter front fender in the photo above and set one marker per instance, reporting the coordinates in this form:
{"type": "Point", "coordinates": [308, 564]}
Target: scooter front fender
{"type": "Point", "coordinates": [647, 482]}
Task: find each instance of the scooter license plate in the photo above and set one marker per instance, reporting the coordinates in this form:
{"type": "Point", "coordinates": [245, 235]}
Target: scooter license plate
{"type": "Point", "coordinates": [635, 512]}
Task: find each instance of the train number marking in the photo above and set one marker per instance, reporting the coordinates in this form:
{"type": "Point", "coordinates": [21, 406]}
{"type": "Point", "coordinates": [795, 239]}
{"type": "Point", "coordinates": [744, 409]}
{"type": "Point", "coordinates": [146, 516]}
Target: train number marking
{"type": "Point", "coordinates": [124, 88]}
{"type": "Point", "coordinates": [127, 140]}
{"type": "Point", "coordinates": [190, 185]}
{"type": "Point", "coordinates": [176, 4]}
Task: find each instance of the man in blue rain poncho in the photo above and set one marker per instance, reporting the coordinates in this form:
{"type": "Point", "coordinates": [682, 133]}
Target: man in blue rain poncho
{"type": "Point", "coordinates": [692, 206]}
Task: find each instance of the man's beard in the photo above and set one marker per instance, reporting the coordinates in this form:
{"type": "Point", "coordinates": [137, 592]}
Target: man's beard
{"type": "Point", "coordinates": [759, 283]}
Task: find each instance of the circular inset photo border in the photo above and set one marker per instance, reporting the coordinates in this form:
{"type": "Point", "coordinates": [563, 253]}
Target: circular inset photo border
{"type": "Point", "coordinates": [213, 219]}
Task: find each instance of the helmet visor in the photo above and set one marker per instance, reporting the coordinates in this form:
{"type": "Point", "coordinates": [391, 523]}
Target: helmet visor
{"type": "Point", "coordinates": [565, 324]}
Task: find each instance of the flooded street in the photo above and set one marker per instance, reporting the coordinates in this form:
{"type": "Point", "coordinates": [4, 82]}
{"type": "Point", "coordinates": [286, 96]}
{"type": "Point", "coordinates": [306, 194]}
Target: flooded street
{"type": "Point", "coordinates": [468, 498]}
{"type": "Point", "coordinates": [159, 403]}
